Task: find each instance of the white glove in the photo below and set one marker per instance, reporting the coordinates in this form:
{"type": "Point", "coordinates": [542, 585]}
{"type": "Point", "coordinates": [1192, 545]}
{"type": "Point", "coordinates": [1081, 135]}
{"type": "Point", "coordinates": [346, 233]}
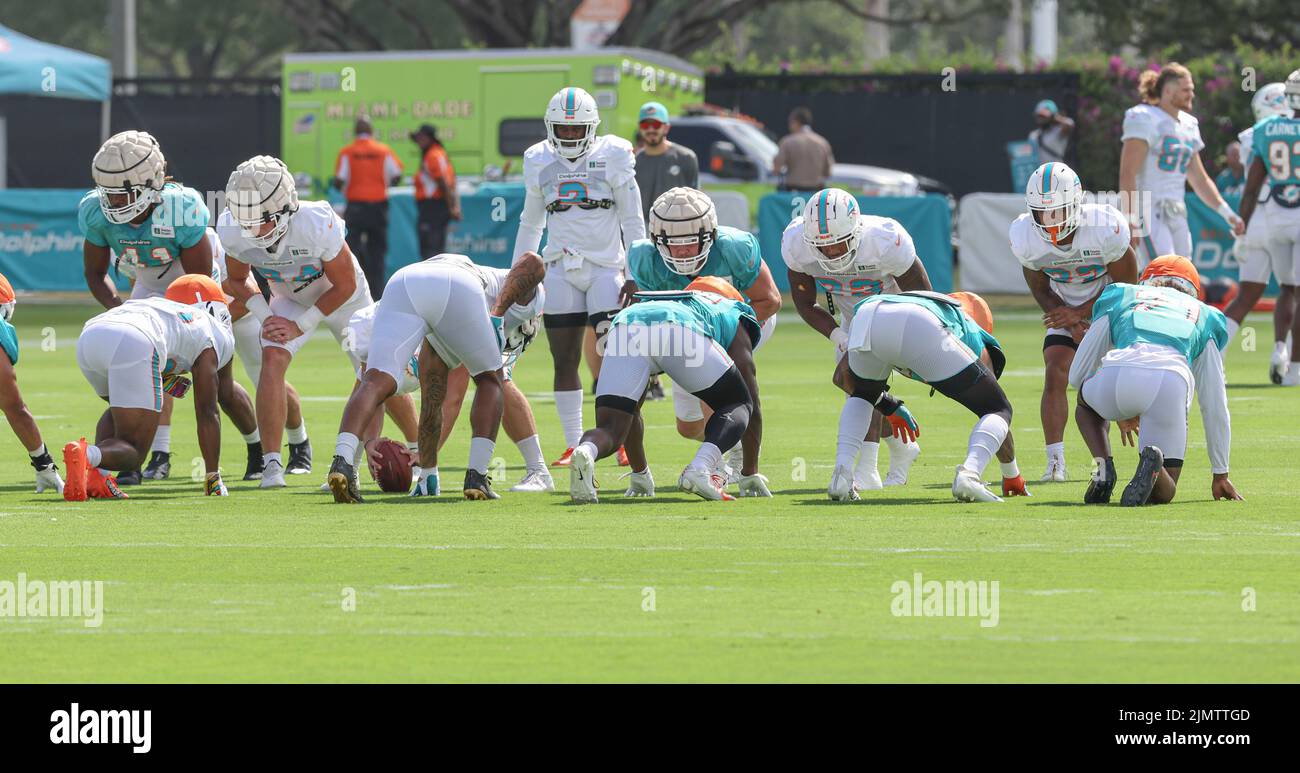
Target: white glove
{"type": "Point", "coordinates": [426, 485]}
{"type": "Point", "coordinates": [641, 485]}
{"type": "Point", "coordinates": [840, 339]}
{"type": "Point", "coordinates": [49, 479]}
{"type": "Point", "coordinates": [754, 485]}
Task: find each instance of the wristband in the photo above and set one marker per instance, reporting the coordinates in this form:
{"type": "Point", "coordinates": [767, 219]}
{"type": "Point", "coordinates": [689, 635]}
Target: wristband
{"type": "Point", "coordinates": [258, 307]}
{"type": "Point", "coordinates": [309, 319]}
{"type": "Point", "coordinates": [839, 338]}
{"type": "Point", "coordinates": [1226, 212]}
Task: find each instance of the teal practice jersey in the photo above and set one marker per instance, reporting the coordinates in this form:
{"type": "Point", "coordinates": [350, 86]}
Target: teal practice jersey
{"type": "Point", "coordinates": [9, 340]}
{"type": "Point", "coordinates": [178, 223]}
{"type": "Point", "coordinates": [706, 313]}
{"type": "Point", "coordinates": [954, 319]}
{"type": "Point", "coordinates": [735, 256]}
{"type": "Point", "coordinates": [1276, 143]}
{"type": "Point", "coordinates": [1159, 315]}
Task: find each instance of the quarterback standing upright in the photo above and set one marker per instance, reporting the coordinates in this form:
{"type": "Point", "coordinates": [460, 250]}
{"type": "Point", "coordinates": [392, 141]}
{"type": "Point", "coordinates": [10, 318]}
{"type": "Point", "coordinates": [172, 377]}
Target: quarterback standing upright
{"type": "Point", "coordinates": [581, 188]}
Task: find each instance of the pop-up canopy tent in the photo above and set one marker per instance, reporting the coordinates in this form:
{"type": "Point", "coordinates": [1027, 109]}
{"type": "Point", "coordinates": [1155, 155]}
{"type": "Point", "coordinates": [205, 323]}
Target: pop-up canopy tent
{"type": "Point", "coordinates": [28, 66]}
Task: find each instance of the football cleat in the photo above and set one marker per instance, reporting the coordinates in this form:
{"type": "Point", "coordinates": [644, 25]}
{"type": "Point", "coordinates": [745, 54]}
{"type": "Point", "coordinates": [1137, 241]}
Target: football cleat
{"type": "Point", "coordinates": [253, 471]}
{"type": "Point", "coordinates": [479, 486]}
{"type": "Point", "coordinates": [1015, 487]}
{"type": "Point", "coordinates": [535, 481]}
{"type": "Point", "coordinates": [1101, 484]}
{"type": "Point", "coordinates": [1292, 377]}
{"type": "Point", "coordinates": [129, 478]}
{"type": "Point", "coordinates": [867, 480]}
{"type": "Point", "coordinates": [299, 458]}
{"type": "Point", "coordinates": [1277, 370]}
{"type": "Point", "coordinates": [343, 482]}
{"type": "Point", "coordinates": [563, 461]}
{"type": "Point", "coordinates": [273, 475]}
{"type": "Point", "coordinates": [621, 454]}
{"type": "Point", "coordinates": [967, 487]}
{"type": "Point", "coordinates": [732, 461]}
{"type": "Point", "coordinates": [705, 484]}
{"type": "Point", "coordinates": [842, 488]}
{"type": "Point", "coordinates": [101, 486]}
{"type": "Point", "coordinates": [1138, 491]}
{"type": "Point", "coordinates": [641, 484]}
{"type": "Point", "coordinates": [582, 476]}
{"type": "Point", "coordinates": [74, 461]}
{"type": "Point", "coordinates": [1055, 472]}
{"type": "Point", "coordinates": [159, 467]}
{"type": "Point", "coordinates": [900, 462]}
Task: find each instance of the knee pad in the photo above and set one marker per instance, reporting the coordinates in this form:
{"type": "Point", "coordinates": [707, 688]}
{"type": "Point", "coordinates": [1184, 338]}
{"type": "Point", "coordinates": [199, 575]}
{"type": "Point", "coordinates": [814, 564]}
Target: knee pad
{"type": "Point", "coordinates": [869, 390]}
{"type": "Point", "coordinates": [976, 389]}
{"type": "Point", "coordinates": [729, 390]}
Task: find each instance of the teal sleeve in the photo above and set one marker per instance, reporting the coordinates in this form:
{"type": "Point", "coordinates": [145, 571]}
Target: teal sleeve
{"type": "Point", "coordinates": [89, 223]}
{"type": "Point", "coordinates": [9, 340]}
{"type": "Point", "coordinates": [1216, 328]}
{"type": "Point", "coordinates": [640, 267]}
{"type": "Point", "coordinates": [194, 221]}
{"type": "Point", "coordinates": [746, 261]}
{"type": "Point", "coordinates": [1107, 300]}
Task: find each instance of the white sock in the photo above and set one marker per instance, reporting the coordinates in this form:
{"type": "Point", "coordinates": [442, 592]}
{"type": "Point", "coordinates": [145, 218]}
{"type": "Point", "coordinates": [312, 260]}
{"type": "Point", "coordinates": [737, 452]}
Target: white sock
{"type": "Point", "coordinates": [587, 446]}
{"type": "Point", "coordinates": [345, 446]}
{"type": "Point", "coordinates": [480, 453]}
{"type": "Point", "coordinates": [94, 456]}
{"type": "Point", "coordinates": [359, 457]}
{"type": "Point", "coordinates": [1280, 351]}
{"type": "Point", "coordinates": [985, 440]}
{"type": "Point", "coordinates": [531, 448]}
{"type": "Point", "coordinates": [38, 453]}
{"type": "Point", "coordinates": [272, 458]}
{"type": "Point", "coordinates": [569, 405]}
{"type": "Point", "coordinates": [297, 434]}
{"type": "Point", "coordinates": [868, 459]}
{"type": "Point", "coordinates": [162, 439]}
{"type": "Point", "coordinates": [1233, 327]}
{"type": "Point", "coordinates": [707, 458]}
{"type": "Point", "coordinates": [413, 446]}
{"type": "Point", "coordinates": [1010, 469]}
{"type": "Point", "coordinates": [252, 437]}
{"type": "Point", "coordinates": [855, 419]}
{"type": "Point", "coordinates": [1056, 451]}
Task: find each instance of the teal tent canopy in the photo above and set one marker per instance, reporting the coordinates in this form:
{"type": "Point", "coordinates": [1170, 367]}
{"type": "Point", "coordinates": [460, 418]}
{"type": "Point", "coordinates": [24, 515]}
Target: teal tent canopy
{"type": "Point", "coordinates": [28, 66]}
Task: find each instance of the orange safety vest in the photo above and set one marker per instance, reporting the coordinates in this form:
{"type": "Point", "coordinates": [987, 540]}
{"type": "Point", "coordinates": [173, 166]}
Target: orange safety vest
{"type": "Point", "coordinates": [366, 166]}
{"type": "Point", "coordinates": [435, 167]}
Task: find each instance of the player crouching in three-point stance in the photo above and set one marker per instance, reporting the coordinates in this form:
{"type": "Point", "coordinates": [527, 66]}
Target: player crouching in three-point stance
{"type": "Point", "coordinates": [945, 341]}
{"type": "Point", "coordinates": [1148, 345]}
{"type": "Point", "coordinates": [135, 353]}
{"type": "Point", "coordinates": [703, 337]}
{"type": "Point", "coordinates": [456, 312]}
{"type": "Point", "coordinates": [11, 400]}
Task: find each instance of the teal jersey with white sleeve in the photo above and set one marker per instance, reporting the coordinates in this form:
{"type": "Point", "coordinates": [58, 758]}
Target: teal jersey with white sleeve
{"type": "Point", "coordinates": [953, 318]}
{"type": "Point", "coordinates": [1142, 314]}
{"type": "Point", "coordinates": [1276, 143]}
{"type": "Point", "coordinates": [179, 222]}
{"type": "Point", "coordinates": [9, 340]}
{"type": "Point", "coordinates": [708, 313]}
{"type": "Point", "coordinates": [735, 257]}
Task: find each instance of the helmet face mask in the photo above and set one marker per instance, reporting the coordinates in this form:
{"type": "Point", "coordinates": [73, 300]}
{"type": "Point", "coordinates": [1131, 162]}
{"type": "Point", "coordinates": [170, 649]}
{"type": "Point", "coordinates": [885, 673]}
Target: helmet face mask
{"type": "Point", "coordinates": [831, 221]}
{"type": "Point", "coordinates": [129, 172]}
{"type": "Point", "coordinates": [683, 217]}
{"type": "Point", "coordinates": [1054, 188]}
{"type": "Point", "coordinates": [260, 192]}
{"type": "Point", "coordinates": [571, 107]}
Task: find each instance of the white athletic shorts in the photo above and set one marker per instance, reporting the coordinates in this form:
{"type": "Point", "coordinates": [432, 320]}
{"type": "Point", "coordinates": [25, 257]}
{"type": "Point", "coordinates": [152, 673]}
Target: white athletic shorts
{"type": "Point", "coordinates": [1283, 235]}
{"type": "Point", "coordinates": [1169, 233]}
{"type": "Point", "coordinates": [443, 304]}
{"type": "Point", "coordinates": [688, 407]}
{"type": "Point", "coordinates": [908, 338]}
{"type": "Point", "coordinates": [587, 289]}
{"type": "Point", "coordinates": [122, 364]}
{"type": "Point", "coordinates": [248, 345]}
{"type": "Point", "coordinates": [691, 359]}
{"type": "Point", "coordinates": [337, 322]}
{"type": "Point", "coordinates": [1160, 397]}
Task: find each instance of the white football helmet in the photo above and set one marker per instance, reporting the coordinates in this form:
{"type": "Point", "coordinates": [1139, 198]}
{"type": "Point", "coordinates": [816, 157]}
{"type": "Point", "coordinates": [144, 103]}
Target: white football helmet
{"type": "Point", "coordinates": [683, 217]}
{"type": "Point", "coordinates": [572, 107]}
{"type": "Point", "coordinates": [261, 190]}
{"type": "Point", "coordinates": [1270, 100]}
{"type": "Point", "coordinates": [129, 164]}
{"type": "Point", "coordinates": [1293, 90]}
{"type": "Point", "coordinates": [831, 218]}
{"type": "Point", "coordinates": [1054, 186]}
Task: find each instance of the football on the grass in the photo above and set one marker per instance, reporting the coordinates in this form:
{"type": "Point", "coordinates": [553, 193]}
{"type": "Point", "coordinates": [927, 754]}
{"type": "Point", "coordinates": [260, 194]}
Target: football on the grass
{"type": "Point", "coordinates": [394, 474]}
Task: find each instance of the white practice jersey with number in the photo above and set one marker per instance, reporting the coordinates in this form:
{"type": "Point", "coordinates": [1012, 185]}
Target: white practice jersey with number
{"type": "Point", "coordinates": [180, 331]}
{"type": "Point", "coordinates": [596, 234]}
{"type": "Point", "coordinates": [1171, 144]}
{"type": "Point", "coordinates": [1077, 271]}
{"type": "Point", "coordinates": [295, 267]}
{"type": "Point", "coordinates": [885, 252]}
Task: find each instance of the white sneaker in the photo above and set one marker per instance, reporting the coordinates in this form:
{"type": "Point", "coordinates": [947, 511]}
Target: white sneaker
{"type": "Point", "coordinates": [582, 477]}
{"type": "Point", "coordinates": [900, 463]}
{"type": "Point", "coordinates": [535, 481]}
{"type": "Point", "coordinates": [1055, 471]}
{"type": "Point", "coordinates": [642, 484]}
{"type": "Point", "coordinates": [273, 475]}
{"type": "Point", "coordinates": [732, 461]}
{"type": "Point", "coordinates": [867, 481]}
{"type": "Point", "coordinates": [1292, 377]}
{"type": "Point", "coordinates": [704, 484]}
{"type": "Point", "coordinates": [1277, 369]}
{"type": "Point", "coordinates": [967, 487]}
{"type": "Point", "coordinates": [841, 488]}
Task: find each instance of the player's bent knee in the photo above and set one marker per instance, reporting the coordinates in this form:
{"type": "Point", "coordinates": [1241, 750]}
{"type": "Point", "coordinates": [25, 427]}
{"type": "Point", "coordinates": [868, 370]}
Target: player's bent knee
{"type": "Point", "coordinates": [692, 429]}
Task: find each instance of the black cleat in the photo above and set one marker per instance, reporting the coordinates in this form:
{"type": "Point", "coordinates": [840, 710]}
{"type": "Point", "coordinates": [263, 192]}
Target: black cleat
{"type": "Point", "coordinates": [1138, 491]}
{"type": "Point", "coordinates": [129, 478]}
{"type": "Point", "coordinates": [343, 482]}
{"type": "Point", "coordinates": [159, 467]}
{"type": "Point", "coordinates": [479, 486]}
{"type": "Point", "coordinates": [255, 462]}
{"type": "Point", "coordinates": [1100, 488]}
{"type": "Point", "coordinates": [299, 458]}
{"type": "Point", "coordinates": [656, 389]}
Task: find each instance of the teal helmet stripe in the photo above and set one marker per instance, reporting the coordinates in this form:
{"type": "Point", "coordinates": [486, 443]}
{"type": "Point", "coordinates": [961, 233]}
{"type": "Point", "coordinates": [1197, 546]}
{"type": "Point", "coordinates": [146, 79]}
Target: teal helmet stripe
{"type": "Point", "coordinates": [569, 100]}
{"type": "Point", "coordinates": [822, 226]}
{"type": "Point", "coordinates": [1047, 179]}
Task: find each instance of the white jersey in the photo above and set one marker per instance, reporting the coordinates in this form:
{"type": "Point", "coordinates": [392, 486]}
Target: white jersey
{"type": "Point", "coordinates": [885, 252]}
{"type": "Point", "coordinates": [494, 281]}
{"type": "Point", "coordinates": [1171, 144]}
{"type": "Point", "coordinates": [180, 332]}
{"type": "Point", "coordinates": [590, 206]}
{"type": "Point", "coordinates": [295, 268]}
{"type": "Point", "coordinates": [1077, 271]}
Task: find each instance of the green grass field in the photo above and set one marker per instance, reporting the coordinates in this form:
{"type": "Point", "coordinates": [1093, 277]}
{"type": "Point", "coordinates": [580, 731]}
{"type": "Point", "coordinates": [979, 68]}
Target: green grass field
{"type": "Point", "coordinates": [531, 588]}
